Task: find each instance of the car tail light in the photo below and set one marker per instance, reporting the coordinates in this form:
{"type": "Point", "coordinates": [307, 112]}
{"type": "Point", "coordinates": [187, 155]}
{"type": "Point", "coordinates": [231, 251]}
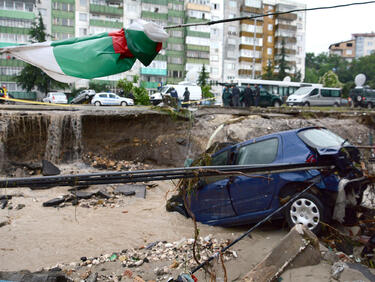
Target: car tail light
{"type": "Point", "coordinates": [363, 98]}
{"type": "Point", "coordinates": [311, 159]}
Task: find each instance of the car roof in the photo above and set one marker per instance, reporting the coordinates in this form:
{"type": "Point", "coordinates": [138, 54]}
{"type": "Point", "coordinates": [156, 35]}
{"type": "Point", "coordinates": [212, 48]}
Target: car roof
{"type": "Point", "coordinates": [253, 140]}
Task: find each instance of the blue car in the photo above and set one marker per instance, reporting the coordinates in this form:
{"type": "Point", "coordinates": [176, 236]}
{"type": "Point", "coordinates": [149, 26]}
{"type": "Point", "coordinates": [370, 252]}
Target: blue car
{"type": "Point", "coordinates": [237, 200]}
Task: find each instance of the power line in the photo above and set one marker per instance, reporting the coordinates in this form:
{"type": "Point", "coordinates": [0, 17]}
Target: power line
{"type": "Point", "coordinates": [269, 14]}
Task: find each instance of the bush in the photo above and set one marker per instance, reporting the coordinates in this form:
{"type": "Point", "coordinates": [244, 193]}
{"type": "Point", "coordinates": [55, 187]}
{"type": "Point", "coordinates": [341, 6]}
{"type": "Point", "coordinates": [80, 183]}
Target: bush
{"type": "Point", "coordinates": [141, 96]}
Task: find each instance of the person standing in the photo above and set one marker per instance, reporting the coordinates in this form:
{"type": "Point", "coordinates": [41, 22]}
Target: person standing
{"type": "Point", "coordinates": [227, 97]}
{"type": "Point", "coordinates": [186, 98]}
{"type": "Point", "coordinates": [235, 96]}
{"type": "Point", "coordinates": [257, 95]}
{"type": "Point", "coordinates": [175, 100]}
{"type": "Point", "coordinates": [248, 96]}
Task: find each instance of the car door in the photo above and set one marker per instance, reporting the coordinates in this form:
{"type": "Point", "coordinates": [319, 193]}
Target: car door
{"type": "Point", "coordinates": [314, 97]}
{"type": "Point", "coordinates": [212, 201]}
{"type": "Point", "coordinates": [264, 98]}
{"type": "Point", "coordinates": [113, 100]}
{"type": "Point", "coordinates": [325, 97]}
{"type": "Point", "coordinates": [254, 194]}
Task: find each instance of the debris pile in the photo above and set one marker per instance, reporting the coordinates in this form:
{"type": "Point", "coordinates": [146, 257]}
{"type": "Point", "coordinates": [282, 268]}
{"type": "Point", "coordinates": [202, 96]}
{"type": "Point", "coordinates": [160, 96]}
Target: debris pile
{"type": "Point", "coordinates": [112, 197]}
{"type": "Point", "coordinates": [108, 164]}
{"type": "Point", "coordinates": [167, 256]}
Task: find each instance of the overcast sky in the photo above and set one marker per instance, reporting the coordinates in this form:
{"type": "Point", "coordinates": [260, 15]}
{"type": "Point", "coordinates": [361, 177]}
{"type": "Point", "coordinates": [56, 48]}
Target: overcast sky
{"type": "Point", "coordinates": [334, 25]}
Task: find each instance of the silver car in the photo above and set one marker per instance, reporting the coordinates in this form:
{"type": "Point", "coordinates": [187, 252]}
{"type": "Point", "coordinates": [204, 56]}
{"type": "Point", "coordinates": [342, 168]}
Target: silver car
{"type": "Point", "coordinates": [111, 99]}
{"type": "Point", "coordinates": [316, 96]}
{"type": "Point", "coordinates": [55, 98]}
{"type": "Point", "coordinates": [84, 95]}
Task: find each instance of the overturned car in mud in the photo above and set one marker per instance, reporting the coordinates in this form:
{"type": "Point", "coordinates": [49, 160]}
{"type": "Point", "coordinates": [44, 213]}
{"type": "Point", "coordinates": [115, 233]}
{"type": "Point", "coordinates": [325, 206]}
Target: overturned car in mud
{"type": "Point", "coordinates": [229, 200]}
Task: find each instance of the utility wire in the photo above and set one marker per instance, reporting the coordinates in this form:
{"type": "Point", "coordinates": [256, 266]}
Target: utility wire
{"type": "Point", "coordinates": [269, 14]}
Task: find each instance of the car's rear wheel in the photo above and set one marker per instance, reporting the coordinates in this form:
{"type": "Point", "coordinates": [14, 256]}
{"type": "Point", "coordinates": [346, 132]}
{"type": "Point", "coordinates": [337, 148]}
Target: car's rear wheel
{"type": "Point", "coordinates": [97, 103]}
{"type": "Point", "coordinates": [308, 210]}
{"type": "Point", "coordinates": [123, 104]}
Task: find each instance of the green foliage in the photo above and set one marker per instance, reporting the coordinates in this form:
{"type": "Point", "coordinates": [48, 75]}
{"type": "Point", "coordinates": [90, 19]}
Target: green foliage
{"type": "Point", "coordinates": [206, 92]}
{"type": "Point", "coordinates": [31, 76]}
{"type": "Point", "coordinates": [99, 86]}
{"type": "Point", "coordinates": [330, 79]}
{"type": "Point", "coordinates": [203, 76]}
{"type": "Point", "coordinates": [135, 79]}
{"type": "Point", "coordinates": [268, 71]}
{"type": "Point", "coordinates": [317, 66]}
{"type": "Point", "coordinates": [141, 96]}
{"type": "Point", "coordinates": [282, 63]}
{"type": "Point", "coordinates": [125, 85]}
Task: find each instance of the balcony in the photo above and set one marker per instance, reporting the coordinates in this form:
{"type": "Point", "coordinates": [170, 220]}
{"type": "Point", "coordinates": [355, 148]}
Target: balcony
{"type": "Point", "coordinates": [250, 47]}
{"type": "Point", "coordinates": [287, 17]}
{"type": "Point", "coordinates": [100, 9]}
{"type": "Point", "coordinates": [105, 23]}
{"type": "Point", "coordinates": [252, 10]}
{"type": "Point", "coordinates": [25, 15]}
{"type": "Point", "coordinates": [287, 51]}
{"type": "Point", "coordinates": [152, 71]}
{"type": "Point", "coordinates": [287, 39]}
{"type": "Point", "coordinates": [152, 15]}
{"type": "Point", "coordinates": [286, 27]}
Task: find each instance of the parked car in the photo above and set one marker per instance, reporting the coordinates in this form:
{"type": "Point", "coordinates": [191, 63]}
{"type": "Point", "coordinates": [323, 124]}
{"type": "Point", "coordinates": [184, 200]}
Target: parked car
{"type": "Point", "coordinates": [316, 96]}
{"type": "Point", "coordinates": [111, 99]}
{"type": "Point", "coordinates": [84, 95]}
{"type": "Point", "coordinates": [362, 97]}
{"type": "Point", "coordinates": [55, 98]}
{"type": "Point", "coordinates": [240, 199]}
{"type": "Point", "coordinates": [266, 99]}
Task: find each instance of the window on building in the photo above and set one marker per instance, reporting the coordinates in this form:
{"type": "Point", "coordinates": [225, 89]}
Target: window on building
{"type": "Point", "coordinates": [349, 44]}
{"type": "Point", "coordinates": [253, 3]}
{"type": "Point", "coordinates": [269, 51]}
{"type": "Point", "coordinates": [82, 31]}
{"type": "Point", "coordinates": [215, 6]}
{"type": "Point", "coordinates": [270, 27]}
{"type": "Point", "coordinates": [269, 39]}
{"type": "Point", "coordinates": [83, 17]}
{"type": "Point", "coordinates": [233, 4]}
{"type": "Point", "coordinates": [83, 2]}
{"type": "Point", "coordinates": [349, 52]}
{"type": "Point", "coordinates": [369, 43]}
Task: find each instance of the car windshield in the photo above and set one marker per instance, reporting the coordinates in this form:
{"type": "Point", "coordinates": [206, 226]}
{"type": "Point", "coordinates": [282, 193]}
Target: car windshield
{"type": "Point", "coordinates": [321, 138]}
{"type": "Point", "coordinates": [59, 94]}
{"type": "Point", "coordinates": [303, 91]}
{"type": "Point", "coordinates": [164, 89]}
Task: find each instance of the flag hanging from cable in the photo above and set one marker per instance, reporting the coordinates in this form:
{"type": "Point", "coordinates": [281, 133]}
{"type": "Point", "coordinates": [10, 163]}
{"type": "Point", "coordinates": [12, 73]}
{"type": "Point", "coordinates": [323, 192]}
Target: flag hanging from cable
{"type": "Point", "coordinates": [94, 56]}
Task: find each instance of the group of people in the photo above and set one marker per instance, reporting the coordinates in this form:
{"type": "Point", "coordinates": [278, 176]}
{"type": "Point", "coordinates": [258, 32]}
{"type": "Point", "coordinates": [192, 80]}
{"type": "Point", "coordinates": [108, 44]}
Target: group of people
{"type": "Point", "coordinates": [174, 95]}
{"type": "Point", "coordinates": [235, 98]}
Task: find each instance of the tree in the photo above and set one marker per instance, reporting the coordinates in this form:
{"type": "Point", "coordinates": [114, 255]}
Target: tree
{"type": "Point", "coordinates": [268, 74]}
{"type": "Point", "coordinates": [330, 79]}
{"type": "Point", "coordinates": [203, 76]}
{"type": "Point", "coordinates": [31, 76]}
{"type": "Point", "coordinates": [125, 85]}
{"type": "Point", "coordinates": [282, 63]}
{"type": "Point", "coordinates": [206, 93]}
{"type": "Point", "coordinates": [99, 86]}
{"type": "Point", "coordinates": [141, 96]}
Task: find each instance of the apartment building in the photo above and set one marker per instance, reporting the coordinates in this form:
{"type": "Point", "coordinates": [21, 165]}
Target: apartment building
{"type": "Point", "coordinates": [238, 49]}
{"type": "Point", "coordinates": [364, 44]}
{"type": "Point", "coordinates": [345, 49]}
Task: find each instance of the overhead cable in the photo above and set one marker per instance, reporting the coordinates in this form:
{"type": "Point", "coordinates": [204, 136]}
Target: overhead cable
{"type": "Point", "coordinates": [268, 14]}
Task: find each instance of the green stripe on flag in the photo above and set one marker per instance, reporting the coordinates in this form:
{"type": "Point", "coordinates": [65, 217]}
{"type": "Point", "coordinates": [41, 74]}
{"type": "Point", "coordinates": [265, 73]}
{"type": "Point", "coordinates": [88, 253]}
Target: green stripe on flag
{"type": "Point", "coordinates": [141, 46]}
{"type": "Point", "coordinates": [90, 57]}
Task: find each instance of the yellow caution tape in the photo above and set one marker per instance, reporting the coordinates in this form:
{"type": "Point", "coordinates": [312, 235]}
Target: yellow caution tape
{"type": "Point", "coordinates": [36, 102]}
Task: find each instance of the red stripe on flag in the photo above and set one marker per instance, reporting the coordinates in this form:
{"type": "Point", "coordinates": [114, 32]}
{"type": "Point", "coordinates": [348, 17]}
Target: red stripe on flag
{"type": "Point", "coordinates": [159, 45]}
{"type": "Point", "coordinates": [119, 44]}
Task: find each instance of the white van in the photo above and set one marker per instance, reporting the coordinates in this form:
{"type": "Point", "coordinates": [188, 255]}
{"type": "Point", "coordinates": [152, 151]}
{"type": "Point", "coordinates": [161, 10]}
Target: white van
{"type": "Point", "coordinates": [195, 92]}
{"type": "Point", "coordinates": [316, 96]}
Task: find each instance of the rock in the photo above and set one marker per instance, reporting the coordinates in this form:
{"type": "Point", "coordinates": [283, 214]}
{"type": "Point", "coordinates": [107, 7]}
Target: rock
{"type": "Point", "coordinates": [49, 168]}
{"type": "Point", "coordinates": [83, 258]}
{"type": "Point", "coordinates": [3, 223]}
{"type": "Point", "coordinates": [20, 206]}
{"type": "Point", "coordinates": [301, 249]}
{"type": "Point", "coordinates": [140, 190]}
{"type": "Point", "coordinates": [54, 202]}
{"type": "Point", "coordinates": [103, 194]}
{"type": "Point", "coordinates": [175, 264]}
{"type": "Point", "coordinates": [151, 245]}
{"type": "Point", "coordinates": [3, 203]}
{"type": "Point", "coordinates": [92, 278]}
{"type": "Point", "coordinates": [83, 194]}
{"type": "Point", "coordinates": [330, 256]}
{"type": "Point", "coordinates": [138, 263]}
{"type": "Point", "coordinates": [337, 268]}
{"type": "Point", "coordinates": [5, 197]}
{"type": "Point", "coordinates": [168, 245]}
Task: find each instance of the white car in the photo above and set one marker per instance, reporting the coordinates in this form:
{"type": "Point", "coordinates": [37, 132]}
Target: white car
{"type": "Point", "coordinates": [110, 99]}
{"type": "Point", "coordinates": [56, 98]}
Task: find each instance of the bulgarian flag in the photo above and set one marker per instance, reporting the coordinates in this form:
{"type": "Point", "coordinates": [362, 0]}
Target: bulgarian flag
{"type": "Point", "coordinates": [94, 56]}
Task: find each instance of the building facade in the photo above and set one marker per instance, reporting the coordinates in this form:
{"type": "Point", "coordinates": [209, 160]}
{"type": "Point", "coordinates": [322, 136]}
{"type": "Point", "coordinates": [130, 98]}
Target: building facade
{"type": "Point", "coordinates": [364, 44]}
{"type": "Point", "coordinates": [345, 49]}
{"type": "Point", "coordinates": [238, 49]}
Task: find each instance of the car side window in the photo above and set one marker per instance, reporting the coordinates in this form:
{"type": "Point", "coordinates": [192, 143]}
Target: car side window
{"type": "Point", "coordinates": [314, 92]}
{"type": "Point", "coordinates": [112, 96]}
{"type": "Point", "coordinates": [325, 92]}
{"type": "Point", "coordinates": [335, 93]}
{"type": "Point", "coordinates": [263, 152]}
{"type": "Point", "coordinates": [220, 159]}
{"type": "Point", "coordinates": [103, 95]}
